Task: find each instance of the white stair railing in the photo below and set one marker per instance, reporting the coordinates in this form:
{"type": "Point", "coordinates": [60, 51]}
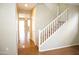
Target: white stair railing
{"type": "Point", "coordinates": [50, 29]}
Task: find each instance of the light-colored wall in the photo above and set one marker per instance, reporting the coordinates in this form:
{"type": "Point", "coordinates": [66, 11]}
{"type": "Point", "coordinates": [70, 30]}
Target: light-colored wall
{"type": "Point", "coordinates": [65, 36]}
{"type": "Point", "coordinates": [24, 11]}
{"type": "Point", "coordinates": [78, 28]}
{"type": "Point", "coordinates": [33, 25]}
{"type": "Point", "coordinates": [8, 29]}
{"type": "Point", "coordinates": [44, 14]}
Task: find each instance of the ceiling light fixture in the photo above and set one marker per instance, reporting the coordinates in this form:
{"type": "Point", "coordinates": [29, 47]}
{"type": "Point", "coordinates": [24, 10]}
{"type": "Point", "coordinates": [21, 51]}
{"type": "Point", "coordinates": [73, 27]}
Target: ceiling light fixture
{"type": "Point", "coordinates": [21, 15]}
{"type": "Point", "coordinates": [26, 5]}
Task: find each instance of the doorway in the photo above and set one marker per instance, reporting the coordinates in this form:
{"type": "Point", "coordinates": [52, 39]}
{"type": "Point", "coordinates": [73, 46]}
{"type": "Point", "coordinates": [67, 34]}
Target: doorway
{"type": "Point", "coordinates": [24, 33]}
{"type": "Point", "coordinates": [26, 45]}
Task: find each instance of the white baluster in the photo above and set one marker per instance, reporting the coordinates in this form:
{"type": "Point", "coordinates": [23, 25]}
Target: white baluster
{"type": "Point", "coordinates": [53, 27]}
{"type": "Point", "coordinates": [49, 30]}
{"type": "Point", "coordinates": [41, 37]}
{"type": "Point", "coordinates": [56, 24]}
{"type": "Point", "coordinates": [46, 33]}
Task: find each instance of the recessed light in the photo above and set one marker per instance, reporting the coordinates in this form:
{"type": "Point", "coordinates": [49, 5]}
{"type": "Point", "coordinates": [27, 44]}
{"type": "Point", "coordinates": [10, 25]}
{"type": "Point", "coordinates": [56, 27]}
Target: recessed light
{"type": "Point", "coordinates": [21, 15]}
{"type": "Point", "coordinates": [6, 48]}
{"type": "Point", "coordinates": [23, 46]}
{"type": "Point", "coordinates": [26, 5]}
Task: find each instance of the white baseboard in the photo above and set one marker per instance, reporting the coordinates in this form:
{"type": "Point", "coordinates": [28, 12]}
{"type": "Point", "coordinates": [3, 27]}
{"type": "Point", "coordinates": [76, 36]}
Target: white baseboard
{"type": "Point", "coordinates": [57, 48]}
{"type": "Point", "coordinates": [3, 52]}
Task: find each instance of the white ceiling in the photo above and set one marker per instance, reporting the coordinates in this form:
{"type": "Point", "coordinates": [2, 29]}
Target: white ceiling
{"type": "Point", "coordinates": [29, 7]}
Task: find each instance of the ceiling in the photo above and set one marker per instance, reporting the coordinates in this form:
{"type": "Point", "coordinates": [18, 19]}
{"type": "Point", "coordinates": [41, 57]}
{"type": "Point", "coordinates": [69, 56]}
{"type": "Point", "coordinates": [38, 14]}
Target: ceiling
{"type": "Point", "coordinates": [22, 6]}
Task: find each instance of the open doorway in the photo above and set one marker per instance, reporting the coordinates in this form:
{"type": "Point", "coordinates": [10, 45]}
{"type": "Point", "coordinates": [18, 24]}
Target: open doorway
{"type": "Point", "coordinates": [26, 44]}
{"type": "Point", "coordinates": [24, 32]}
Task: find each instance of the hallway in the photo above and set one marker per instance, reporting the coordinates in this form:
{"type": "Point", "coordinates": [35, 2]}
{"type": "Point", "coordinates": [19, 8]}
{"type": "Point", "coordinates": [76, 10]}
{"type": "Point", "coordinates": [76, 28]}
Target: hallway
{"type": "Point", "coordinates": [32, 50]}
{"type": "Point", "coordinates": [25, 45]}
{"type": "Point", "coordinates": [62, 26]}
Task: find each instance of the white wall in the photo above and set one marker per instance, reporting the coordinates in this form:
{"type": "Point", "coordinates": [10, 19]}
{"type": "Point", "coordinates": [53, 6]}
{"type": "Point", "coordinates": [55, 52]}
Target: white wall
{"type": "Point", "coordinates": [78, 25]}
{"type": "Point", "coordinates": [42, 17]}
{"type": "Point", "coordinates": [8, 31]}
{"type": "Point", "coordinates": [44, 14]}
{"type": "Point", "coordinates": [65, 36]}
{"type": "Point", "coordinates": [33, 25]}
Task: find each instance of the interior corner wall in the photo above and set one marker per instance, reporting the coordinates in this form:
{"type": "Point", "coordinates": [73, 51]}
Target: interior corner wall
{"type": "Point", "coordinates": [69, 33]}
{"type": "Point", "coordinates": [33, 25]}
{"type": "Point", "coordinates": [63, 37]}
{"type": "Point", "coordinates": [45, 13]}
{"type": "Point", "coordinates": [78, 24]}
{"type": "Point", "coordinates": [8, 29]}
{"type": "Point", "coordinates": [41, 17]}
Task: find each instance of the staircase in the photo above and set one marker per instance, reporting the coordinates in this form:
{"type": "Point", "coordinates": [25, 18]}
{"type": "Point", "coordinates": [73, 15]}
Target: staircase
{"type": "Point", "coordinates": [52, 27]}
